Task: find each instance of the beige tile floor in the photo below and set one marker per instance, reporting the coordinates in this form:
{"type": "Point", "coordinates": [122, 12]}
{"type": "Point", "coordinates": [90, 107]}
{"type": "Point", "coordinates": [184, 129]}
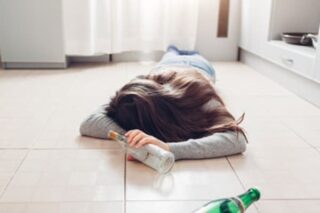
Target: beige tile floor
{"type": "Point", "coordinates": [45, 166]}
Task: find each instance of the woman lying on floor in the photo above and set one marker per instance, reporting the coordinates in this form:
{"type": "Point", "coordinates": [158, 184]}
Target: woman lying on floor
{"type": "Point", "coordinates": [175, 107]}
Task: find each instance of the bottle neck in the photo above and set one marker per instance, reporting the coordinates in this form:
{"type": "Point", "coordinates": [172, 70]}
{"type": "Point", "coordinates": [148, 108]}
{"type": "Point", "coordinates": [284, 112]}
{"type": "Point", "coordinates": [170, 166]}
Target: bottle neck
{"type": "Point", "coordinates": [249, 197]}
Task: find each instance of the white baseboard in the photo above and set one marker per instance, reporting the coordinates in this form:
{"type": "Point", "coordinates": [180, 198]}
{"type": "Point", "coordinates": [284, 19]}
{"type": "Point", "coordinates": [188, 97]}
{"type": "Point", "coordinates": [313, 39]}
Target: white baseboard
{"type": "Point", "coordinates": [34, 65]}
{"type": "Point", "coordinates": [89, 59]}
{"type": "Point", "coordinates": [132, 56]}
{"type": "Point", "coordinates": [305, 88]}
{"type": "Point", "coordinates": [137, 56]}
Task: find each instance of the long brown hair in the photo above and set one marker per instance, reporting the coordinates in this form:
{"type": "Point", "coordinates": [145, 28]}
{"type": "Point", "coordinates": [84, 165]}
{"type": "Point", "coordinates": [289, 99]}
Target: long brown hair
{"type": "Point", "coordinates": [172, 106]}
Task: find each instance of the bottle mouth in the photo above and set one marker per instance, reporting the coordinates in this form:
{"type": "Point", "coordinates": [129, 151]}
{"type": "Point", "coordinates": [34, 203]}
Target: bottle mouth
{"type": "Point", "coordinates": [167, 165]}
{"type": "Point", "coordinates": [255, 193]}
{"type": "Point", "coordinates": [112, 135]}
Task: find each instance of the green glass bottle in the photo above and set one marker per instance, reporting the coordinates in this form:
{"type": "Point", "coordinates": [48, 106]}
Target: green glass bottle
{"type": "Point", "coordinates": [231, 205]}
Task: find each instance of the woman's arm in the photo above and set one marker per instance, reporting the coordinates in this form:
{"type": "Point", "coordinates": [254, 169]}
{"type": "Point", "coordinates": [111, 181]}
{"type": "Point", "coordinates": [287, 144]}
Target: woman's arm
{"type": "Point", "coordinates": [216, 145]}
{"type": "Point", "coordinates": [98, 124]}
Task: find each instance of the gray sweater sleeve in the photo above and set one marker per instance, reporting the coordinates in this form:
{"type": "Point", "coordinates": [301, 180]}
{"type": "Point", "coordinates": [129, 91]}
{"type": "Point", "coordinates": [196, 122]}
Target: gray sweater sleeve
{"type": "Point", "coordinates": [216, 145]}
{"type": "Point", "coordinates": [98, 124]}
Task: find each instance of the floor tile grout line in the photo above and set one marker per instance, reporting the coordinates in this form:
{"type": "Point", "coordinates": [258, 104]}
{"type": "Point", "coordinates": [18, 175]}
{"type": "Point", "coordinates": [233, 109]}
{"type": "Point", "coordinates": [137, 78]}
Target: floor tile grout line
{"type": "Point", "coordinates": [120, 201]}
{"type": "Point", "coordinates": [291, 199]}
{"type": "Point", "coordinates": [60, 149]}
{"type": "Point", "coordinates": [14, 174]}
{"type": "Point", "coordinates": [302, 138]}
{"type": "Point", "coordinates": [125, 184]}
{"type": "Point", "coordinates": [234, 172]}
{"type": "Point", "coordinates": [204, 200]}
{"type": "Point", "coordinates": [10, 148]}
{"type": "Point", "coordinates": [61, 202]}
{"type": "Point", "coordinates": [242, 184]}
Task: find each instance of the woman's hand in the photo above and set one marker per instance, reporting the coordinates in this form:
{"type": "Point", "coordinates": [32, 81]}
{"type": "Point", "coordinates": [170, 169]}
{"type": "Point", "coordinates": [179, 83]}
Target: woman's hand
{"type": "Point", "coordinates": [137, 138]}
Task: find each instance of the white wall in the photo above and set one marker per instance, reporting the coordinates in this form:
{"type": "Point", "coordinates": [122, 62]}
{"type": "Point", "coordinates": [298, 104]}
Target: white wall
{"type": "Point", "coordinates": [213, 48]}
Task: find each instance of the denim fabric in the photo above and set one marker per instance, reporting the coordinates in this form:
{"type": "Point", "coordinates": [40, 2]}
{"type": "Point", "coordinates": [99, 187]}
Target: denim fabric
{"type": "Point", "coordinates": [174, 56]}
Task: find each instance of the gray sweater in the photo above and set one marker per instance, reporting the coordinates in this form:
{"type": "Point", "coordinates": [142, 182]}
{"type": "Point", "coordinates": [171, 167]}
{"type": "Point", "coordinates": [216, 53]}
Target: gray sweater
{"type": "Point", "coordinates": [216, 145]}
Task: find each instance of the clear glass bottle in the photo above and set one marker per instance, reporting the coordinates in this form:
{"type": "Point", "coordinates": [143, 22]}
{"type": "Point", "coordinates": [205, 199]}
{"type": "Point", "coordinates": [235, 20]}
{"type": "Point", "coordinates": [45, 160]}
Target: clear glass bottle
{"type": "Point", "coordinates": [151, 155]}
{"type": "Point", "coordinates": [231, 205]}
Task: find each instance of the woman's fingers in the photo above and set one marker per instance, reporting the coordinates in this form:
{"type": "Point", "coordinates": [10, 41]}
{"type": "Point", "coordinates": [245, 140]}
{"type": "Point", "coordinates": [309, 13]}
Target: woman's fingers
{"type": "Point", "coordinates": [128, 133]}
{"type": "Point", "coordinates": [136, 139]}
{"type": "Point", "coordinates": [134, 136]}
{"type": "Point", "coordinates": [132, 133]}
{"type": "Point", "coordinates": [143, 142]}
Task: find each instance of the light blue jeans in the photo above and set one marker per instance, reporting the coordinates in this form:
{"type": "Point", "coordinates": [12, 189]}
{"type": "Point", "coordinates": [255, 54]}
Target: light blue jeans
{"type": "Point", "coordinates": [174, 56]}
